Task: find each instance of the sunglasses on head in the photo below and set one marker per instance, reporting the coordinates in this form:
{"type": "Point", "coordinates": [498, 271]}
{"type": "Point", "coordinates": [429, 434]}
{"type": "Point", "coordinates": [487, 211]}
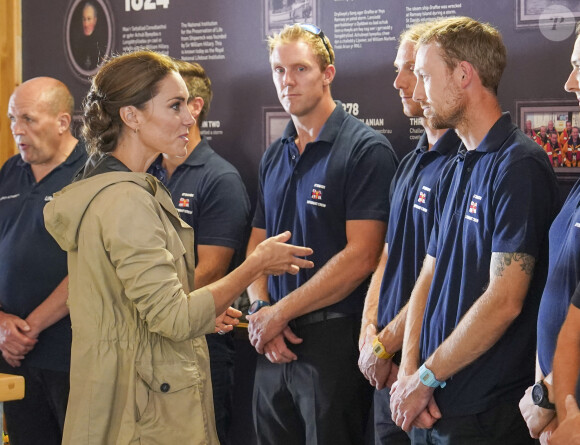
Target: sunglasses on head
{"type": "Point", "coordinates": [317, 32]}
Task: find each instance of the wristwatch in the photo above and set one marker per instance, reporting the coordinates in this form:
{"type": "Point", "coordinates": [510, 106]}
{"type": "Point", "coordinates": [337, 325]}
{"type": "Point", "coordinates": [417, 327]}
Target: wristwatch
{"type": "Point", "coordinates": [256, 306]}
{"type": "Point", "coordinates": [540, 396]}
{"type": "Point", "coordinates": [379, 350]}
{"type": "Point", "coordinates": [428, 378]}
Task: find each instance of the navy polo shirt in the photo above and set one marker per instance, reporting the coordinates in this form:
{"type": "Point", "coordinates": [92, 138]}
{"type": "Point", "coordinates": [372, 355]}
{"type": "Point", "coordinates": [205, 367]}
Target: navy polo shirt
{"type": "Point", "coordinates": [32, 264]}
{"type": "Point", "coordinates": [411, 220]}
{"type": "Point", "coordinates": [563, 277]}
{"type": "Point", "coordinates": [343, 175]}
{"type": "Point", "coordinates": [576, 302]}
{"type": "Point", "coordinates": [209, 195]}
{"type": "Point", "coordinates": [500, 197]}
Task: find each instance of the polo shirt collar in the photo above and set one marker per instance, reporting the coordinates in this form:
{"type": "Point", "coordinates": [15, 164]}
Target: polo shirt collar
{"type": "Point", "coordinates": [447, 143]}
{"type": "Point", "coordinates": [74, 155]}
{"type": "Point", "coordinates": [329, 130]}
{"type": "Point", "coordinates": [444, 145]}
{"type": "Point", "coordinates": [200, 155]}
{"type": "Point", "coordinates": [423, 144]}
{"type": "Point", "coordinates": [497, 135]}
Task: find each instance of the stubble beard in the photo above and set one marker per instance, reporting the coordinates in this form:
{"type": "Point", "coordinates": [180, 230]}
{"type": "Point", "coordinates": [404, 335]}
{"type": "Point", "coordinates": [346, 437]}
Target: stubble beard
{"type": "Point", "coordinates": [453, 117]}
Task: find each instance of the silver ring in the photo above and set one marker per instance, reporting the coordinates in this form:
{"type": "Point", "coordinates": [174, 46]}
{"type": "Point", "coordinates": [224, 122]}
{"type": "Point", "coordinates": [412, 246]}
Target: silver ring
{"type": "Point", "coordinates": [220, 332]}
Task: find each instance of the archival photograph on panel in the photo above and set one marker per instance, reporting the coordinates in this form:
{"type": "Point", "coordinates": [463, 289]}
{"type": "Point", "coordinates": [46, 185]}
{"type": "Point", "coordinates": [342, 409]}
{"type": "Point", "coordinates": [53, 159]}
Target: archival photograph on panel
{"type": "Point", "coordinates": [548, 13]}
{"type": "Point", "coordinates": [275, 121]}
{"type": "Point", "coordinates": [555, 126]}
{"type": "Point", "coordinates": [88, 35]}
{"type": "Point", "coordinates": [278, 13]}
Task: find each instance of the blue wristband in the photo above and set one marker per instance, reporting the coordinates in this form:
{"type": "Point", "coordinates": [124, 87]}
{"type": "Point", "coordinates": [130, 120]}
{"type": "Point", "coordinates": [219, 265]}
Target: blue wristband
{"type": "Point", "coordinates": [428, 378]}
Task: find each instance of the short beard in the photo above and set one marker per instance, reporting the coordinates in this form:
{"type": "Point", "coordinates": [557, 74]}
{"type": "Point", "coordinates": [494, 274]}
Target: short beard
{"type": "Point", "coordinates": [453, 117]}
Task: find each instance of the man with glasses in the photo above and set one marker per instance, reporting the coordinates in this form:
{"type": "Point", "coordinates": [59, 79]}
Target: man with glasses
{"type": "Point", "coordinates": [326, 180]}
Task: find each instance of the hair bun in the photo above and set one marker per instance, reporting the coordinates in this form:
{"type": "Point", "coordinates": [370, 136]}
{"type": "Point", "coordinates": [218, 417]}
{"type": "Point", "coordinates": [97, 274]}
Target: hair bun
{"type": "Point", "coordinates": [95, 96]}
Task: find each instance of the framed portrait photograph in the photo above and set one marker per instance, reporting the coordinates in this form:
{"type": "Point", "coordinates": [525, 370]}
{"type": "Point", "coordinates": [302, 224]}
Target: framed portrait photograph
{"type": "Point", "coordinates": [88, 35]}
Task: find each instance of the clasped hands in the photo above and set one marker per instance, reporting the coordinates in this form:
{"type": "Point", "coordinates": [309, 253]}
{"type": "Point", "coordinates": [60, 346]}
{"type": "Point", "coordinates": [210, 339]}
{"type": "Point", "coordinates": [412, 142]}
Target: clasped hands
{"type": "Point", "coordinates": [380, 373]}
{"type": "Point", "coordinates": [540, 421]}
{"type": "Point", "coordinates": [412, 403]}
{"type": "Point", "coordinates": [17, 338]}
{"type": "Point", "coordinates": [268, 333]}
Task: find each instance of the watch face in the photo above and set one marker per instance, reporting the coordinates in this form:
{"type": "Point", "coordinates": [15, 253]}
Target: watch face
{"type": "Point", "coordinates": [254, 307]}
{"type": "Point", "coordinates": [537, 394]}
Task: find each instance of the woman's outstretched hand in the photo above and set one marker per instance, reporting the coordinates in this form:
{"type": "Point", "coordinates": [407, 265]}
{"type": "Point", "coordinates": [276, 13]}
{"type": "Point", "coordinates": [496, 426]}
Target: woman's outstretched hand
{"type": "Point", "coordinates": [277, 257]}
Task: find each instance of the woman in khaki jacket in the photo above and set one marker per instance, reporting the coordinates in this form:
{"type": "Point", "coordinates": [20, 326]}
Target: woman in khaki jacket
{"type": "Point", "coordinates": [139, 365]}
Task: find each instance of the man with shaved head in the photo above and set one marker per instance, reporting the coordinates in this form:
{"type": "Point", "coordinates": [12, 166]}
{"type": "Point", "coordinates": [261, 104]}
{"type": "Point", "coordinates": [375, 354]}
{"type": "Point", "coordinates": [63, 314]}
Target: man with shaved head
{"type": "Point", "coordinates": [35, 332]}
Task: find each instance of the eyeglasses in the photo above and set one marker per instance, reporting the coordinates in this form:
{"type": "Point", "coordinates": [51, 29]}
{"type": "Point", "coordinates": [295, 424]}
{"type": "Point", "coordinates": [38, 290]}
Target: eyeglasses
{"type": "Point", "coordinates": [318, 32]}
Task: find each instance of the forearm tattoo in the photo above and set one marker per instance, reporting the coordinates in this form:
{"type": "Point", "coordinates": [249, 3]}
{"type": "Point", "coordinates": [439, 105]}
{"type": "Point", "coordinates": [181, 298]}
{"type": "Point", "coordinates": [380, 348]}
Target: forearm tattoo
{"type": "Point", "coordinates": [502, 260]}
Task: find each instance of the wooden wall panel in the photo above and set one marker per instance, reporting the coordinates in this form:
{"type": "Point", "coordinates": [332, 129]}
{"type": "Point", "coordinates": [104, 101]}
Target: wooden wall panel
{"type": "Point", "coordinates": [10, 69]}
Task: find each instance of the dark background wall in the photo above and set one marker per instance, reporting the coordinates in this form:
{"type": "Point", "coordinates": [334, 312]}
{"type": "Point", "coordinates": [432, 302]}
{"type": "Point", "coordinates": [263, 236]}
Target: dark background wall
{"type": "Point", "coordinates": [228, 38]}
{"type": "Point", "coordinates": [233, 33]}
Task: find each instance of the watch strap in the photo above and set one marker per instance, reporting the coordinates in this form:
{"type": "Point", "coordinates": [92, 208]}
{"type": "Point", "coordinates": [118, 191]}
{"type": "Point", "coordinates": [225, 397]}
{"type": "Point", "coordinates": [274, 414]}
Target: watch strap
{"type": "Point", "coordinates": [544, 400]}
{"type": "Point", "coordinates": [428, 378]}
{"type": "Point", "coordinates": [380, 351]}
{"type": "Point", "coordinates": [257, 305]}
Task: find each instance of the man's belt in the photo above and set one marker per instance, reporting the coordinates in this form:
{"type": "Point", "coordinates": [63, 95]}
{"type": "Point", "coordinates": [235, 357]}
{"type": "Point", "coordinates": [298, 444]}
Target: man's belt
{"type": "Point", "coordinates": [317, 317]}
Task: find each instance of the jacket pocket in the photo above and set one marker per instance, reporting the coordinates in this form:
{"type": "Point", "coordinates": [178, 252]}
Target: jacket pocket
{"type": "Point", "coordinates": [163, 378]}
{"type": "Point", "coordinates": [170, 403]}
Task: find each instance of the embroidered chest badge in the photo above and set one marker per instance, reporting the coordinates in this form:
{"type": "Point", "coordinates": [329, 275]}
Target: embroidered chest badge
{"type": "Point", "coordinates": [184, 201]}
{"type": "Point", "coordinates": [421, 203]}
{"type": "Point", "coordinates": [472, 211]}
{"type": "Point", "coordinates": [316, 195]}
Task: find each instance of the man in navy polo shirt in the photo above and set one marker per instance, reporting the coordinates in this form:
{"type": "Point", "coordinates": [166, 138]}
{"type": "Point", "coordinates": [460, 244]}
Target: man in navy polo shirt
{"type": "Point", "coordinates": [326, 180]}
{"type": "Point", "coordinates": [410, 223]}
{"type": "Point", "coordinates": [479, 289]}
{"type": "Point", "coordinates": [35, 330]}
{"type": "Point", "coordinates": [563, 284]}
{"type": "Point", "coordinates": [567, 363]}
{"type": "Point", "coordinates": [210, 196]}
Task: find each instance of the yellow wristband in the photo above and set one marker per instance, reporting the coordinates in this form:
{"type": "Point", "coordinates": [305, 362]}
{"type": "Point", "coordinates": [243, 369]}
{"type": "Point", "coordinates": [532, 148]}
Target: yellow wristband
{"type": "Point", "coordinates": [379, 350]}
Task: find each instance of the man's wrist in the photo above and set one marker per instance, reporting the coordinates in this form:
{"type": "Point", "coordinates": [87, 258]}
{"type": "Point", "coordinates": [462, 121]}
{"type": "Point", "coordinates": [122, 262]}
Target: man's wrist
{"type": "Point", "coordinates": [365, 324]}
{"type": "Point", "coordinates": [285, 310]}
{"type": "Point", "coordinates": [389, 340]}
{"type": "Point", "coordinates": [368, 319]}
{"type": "Point", "coordinates": [428, 378]}
{"type": "Point", "coordinates": [380, 351]}
{"type": "Point", "coordinates": [541, 396]}
{"type": "Point", "coordinates": [257, 305]}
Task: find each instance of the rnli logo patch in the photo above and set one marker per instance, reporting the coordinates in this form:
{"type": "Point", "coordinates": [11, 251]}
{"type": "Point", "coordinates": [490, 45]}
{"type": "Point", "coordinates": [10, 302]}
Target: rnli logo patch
{"type": "Point", "coordinates": [472, 210]}
{"type": "Point", "coordinates": [316, 196]}
{"type": "Point", "coordinates": [421, 203]}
